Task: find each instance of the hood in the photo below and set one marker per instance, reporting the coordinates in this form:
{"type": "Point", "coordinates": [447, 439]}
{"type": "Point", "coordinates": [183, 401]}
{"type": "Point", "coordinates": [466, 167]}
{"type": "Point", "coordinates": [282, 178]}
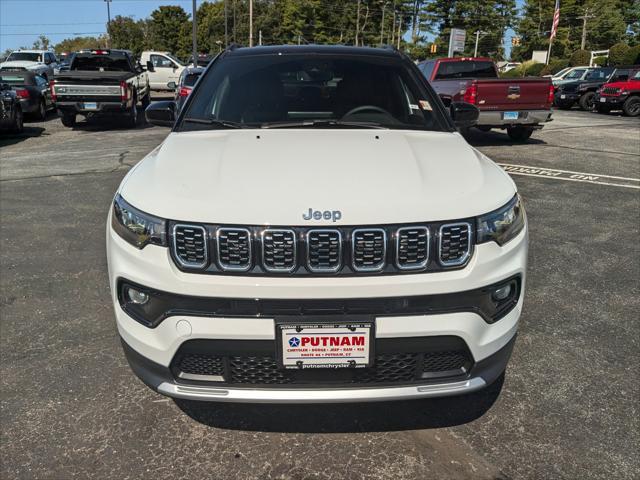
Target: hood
{"type": "Point", "coordinates": [627, 84]}
{"type": "Point", "coordinates": [274, 177]}
{"type": "Point", "coordinates": [21, 64]}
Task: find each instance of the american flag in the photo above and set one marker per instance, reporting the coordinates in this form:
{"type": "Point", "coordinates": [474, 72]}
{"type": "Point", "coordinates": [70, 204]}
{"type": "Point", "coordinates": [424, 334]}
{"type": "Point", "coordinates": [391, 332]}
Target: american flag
{"type": "Point", "coordinates": [556, 20]}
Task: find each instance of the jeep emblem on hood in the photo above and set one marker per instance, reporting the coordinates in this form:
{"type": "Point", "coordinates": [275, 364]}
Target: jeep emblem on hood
{"type": "Point", "coordinates": [333, 215]}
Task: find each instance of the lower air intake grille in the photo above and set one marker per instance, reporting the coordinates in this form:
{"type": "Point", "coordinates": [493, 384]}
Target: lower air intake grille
{"type": "Point", "coordinates": [388, 368]}
{"type": "Point", "coordinates": [234, 248]}
{"type": "Point", "coordinates": [454, 243]}
{"type": "Point", "coordinates": [279, 250]}
{"type": "Point", "coordinates": [190, 245]}
{"type": "Point", "coordinates": [369, 249]}
{"type": "Point", "coordinates": [412, 248]}
{"type": "Point", "coordinates": [324, 250]}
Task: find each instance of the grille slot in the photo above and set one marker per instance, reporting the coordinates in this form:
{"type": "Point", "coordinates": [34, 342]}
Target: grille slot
{"type": "Point", "coordinates": [437, 364]}
{"type": "Point", "coordinates": [234, 248]}
{"type": "Point", "coordinates": [412, 248]}
{"type": "Point", "coordinates": [610, 90]}
{"type": "Point", "coordinates": [324, 250]}
{"type": "Point", "coordinates": [454, 245]}
{"type": "Point", "coordinates": [279, 250]}
{"type": "Point", "coordinates": [190, 245]}
{"type": "Point", "coordinates": [257, 370]}
{"type": "Point", "coordinates": [369, 248]}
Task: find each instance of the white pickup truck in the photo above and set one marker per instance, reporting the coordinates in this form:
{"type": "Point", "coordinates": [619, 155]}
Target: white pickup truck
{"type": "Point", "coordinates": [41, 62]}
{"type": "Point", "coordinates": [167, 69]}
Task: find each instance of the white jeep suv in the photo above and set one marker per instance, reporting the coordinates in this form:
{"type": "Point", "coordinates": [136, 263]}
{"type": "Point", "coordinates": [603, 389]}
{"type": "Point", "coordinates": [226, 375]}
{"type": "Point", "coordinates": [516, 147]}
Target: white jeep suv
{"type": "Point", "coordinates": [314, 229]}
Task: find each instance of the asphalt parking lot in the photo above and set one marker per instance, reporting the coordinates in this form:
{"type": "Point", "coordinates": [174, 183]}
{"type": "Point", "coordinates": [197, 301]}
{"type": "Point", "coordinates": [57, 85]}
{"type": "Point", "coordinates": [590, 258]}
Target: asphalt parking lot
{"type": "Point", "coordinates": [568, 408]}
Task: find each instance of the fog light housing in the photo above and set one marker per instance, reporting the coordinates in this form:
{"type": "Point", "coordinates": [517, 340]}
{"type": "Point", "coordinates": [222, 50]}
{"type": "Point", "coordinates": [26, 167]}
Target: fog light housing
{"type": "Point", "coordinates": [136, 296]}
{"type": "Point", "coordinates": [503, 292]}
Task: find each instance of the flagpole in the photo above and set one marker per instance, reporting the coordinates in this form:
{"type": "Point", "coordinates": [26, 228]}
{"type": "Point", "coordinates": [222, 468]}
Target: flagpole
{"type": "Point", "coordinates": [549, 51]}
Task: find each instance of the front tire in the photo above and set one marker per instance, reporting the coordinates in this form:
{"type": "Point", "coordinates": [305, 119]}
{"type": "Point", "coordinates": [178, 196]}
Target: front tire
{"type": "Point", "coordinates": [519, 133]}
{"type": "Point", "coordinates": [69, 120]}
{"type": "Point", "coordinates": [587, 102]}
{"type": "Point", "coordinates": [631, 107]}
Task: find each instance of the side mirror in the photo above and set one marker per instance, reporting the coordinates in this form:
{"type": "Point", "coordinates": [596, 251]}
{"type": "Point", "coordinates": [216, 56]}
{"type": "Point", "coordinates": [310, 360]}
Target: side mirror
{"type": "Point", "coordinates": [150, 67]}
{"type": "Point", "coordinates": [171, 85]}
{"type": "Point", "coordinates": [464, 114]}
{"type": "Point", "coordinates": [162, 113]}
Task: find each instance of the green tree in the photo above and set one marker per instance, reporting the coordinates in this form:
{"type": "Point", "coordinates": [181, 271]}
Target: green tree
{"type": "Point", "coordinates": [42, 43]}
{"type": "Point", "coordinates": [580, 58]}
{"type": "Point", "coordinates": [169, 30]}
{"type": "Point", "coordinates": [79, 43]}
{"type": "Point", "coordinates": [618, 54]}
{"type": "Point", "coordinates": [126, 33]}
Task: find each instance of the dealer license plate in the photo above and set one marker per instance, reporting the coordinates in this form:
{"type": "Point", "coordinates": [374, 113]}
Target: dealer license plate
{"type": "Point", "coordinates": [90, 106]}
{"type": "Point", "coordinates": [321, 345]}
{"type": "Point", "coordinates": [510, 115]}
{"type": "Point", "coordinates": [602, 100]}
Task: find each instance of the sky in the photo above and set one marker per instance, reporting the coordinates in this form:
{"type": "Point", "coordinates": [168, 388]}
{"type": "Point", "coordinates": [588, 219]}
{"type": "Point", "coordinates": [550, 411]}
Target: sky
{"type": "Point", "coordinates": [22, 21]}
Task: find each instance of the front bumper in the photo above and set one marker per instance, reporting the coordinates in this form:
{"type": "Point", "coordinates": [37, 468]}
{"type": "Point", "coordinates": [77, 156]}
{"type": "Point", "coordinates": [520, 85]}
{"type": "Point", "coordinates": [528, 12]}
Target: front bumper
{"type": "Point", "coordinates": [152, 350]}
{"type": "Point", "coordinates": [160, 379]}
{"type": "Point", "coordinates": [496, 119]}
{"type": "Point", "coordinates": [564, 98]}
{"type": "Point", "coordinates": [614, 103]}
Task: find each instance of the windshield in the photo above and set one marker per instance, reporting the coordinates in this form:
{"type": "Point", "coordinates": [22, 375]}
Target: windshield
{"type": "Point", "coordinates": [466, 69]}
{"type": "Point", "coordinates": [101, 63]}
{"type": "Point", "coordinates": [575, 74]}
{"type": "Point", "coordinates": [562, 72]}
{"type": "Point", "coordinates": [28, 56]}
{"type": "Point", "coordinates": [599, 74]}
{"type": "Point", "coordinates": [190, 79]}
{"type": "Point", "coordinates": [311, 91]}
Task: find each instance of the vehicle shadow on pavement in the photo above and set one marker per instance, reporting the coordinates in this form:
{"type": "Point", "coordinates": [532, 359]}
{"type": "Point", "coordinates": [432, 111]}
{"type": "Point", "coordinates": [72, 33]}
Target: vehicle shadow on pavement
{"type": "Point", "coordinates": [497, 138]}
{"type": "Point", "coordinates": [345, 418]}
{"type": "Point", "coordinates": [98, 124]}
{"type": "Point", "coordinates": [29, 131]}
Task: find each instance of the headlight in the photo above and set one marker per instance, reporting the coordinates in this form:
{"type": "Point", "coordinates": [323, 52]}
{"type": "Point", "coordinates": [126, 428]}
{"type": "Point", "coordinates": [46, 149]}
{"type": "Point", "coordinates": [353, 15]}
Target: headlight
{"type": "Point", "coordinates": [136, 227]}
{"type": "Point", "coordinates": [503, 224]}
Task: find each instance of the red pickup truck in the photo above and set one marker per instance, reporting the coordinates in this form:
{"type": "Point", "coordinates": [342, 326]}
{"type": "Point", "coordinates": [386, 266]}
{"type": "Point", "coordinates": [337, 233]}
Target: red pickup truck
{"type": "Point", "coordinates": [519, 105]}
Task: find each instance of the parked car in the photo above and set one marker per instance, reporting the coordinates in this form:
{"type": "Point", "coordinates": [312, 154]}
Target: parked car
{"type": "Point", "coordinates": [188, 79]}
{"type": "Point", "coordinates": [509, 66]}
{"type": "Point", "coordinates": [64, 59]}
{"type": "Point", "coordinates": [167, 69]}
{"type": "Point", "coordinates": [101, 82]}
{"type": "Point", "coordinates": [583, 92]}
{"type": "Point", "coordinates": [564, 72]}
{"type": "Point", "coordinates": [363, 250]}
{"type": "Point", "coordinates": [623, 95]}
{"type": "Point", "coordinates": [32, 90]}
{"type": "Point", "coordinates": [11, 116]}
{"type": "Point", "coordinates": [575, 74]}
{"type": "Point", "coordinates": [42, 62]}
{"type": "Point", "coordinates": [519, 105]}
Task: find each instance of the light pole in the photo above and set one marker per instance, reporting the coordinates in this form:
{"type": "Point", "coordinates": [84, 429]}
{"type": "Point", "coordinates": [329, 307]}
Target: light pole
{"type": "Point", "coordinates": [194, 36]}
{"type": "Point", "coordinates": [108, 21]}
{"type": "Point", "coordinates": [478, 33]}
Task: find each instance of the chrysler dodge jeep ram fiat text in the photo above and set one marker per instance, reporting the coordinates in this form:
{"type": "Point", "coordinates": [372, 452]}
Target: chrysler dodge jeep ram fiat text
{"type": "Point", "coordinates": [314, 229]}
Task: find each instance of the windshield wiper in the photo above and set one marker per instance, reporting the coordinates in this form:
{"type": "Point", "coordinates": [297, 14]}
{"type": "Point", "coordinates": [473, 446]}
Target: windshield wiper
{"type": "Point", "coordinates": [211, 121]}
{"type": "Point", "coordinates": [323, 123]}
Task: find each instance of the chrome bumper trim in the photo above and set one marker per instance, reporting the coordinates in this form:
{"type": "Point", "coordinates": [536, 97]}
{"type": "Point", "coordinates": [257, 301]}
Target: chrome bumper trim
{"type": "Point", "coordinates": [282, 395]}
{"type": "Point", "coordinates": [527, 117]}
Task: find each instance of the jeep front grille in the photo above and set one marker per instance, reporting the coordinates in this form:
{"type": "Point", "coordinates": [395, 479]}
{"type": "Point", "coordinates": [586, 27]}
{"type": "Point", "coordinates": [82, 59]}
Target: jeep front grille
{"type": "Point", "coordinates": [610, 91]}
{"type": "Point", "coordinates": [190, 245]}
{"type": "Point", "coordinates": [454, 243]}
{"type": "Point", "coordinates": [234, 248]}
{"type": "Point", "coordinates": [412, 245]}
{"type": "Point", "coordinates": [370, 250]}
{"type": "Point", "coordinates": [324, 250]}
{"type": "Point", "coordinates": [279, 250]}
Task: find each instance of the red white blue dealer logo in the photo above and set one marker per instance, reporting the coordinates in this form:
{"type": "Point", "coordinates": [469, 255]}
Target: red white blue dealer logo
{"type": "Point", "coordinates": [294, 342]}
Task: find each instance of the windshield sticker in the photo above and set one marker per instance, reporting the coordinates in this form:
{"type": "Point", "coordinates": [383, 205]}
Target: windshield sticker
{"type": "Point", "coordinates": [425, 105]}
{"type": "Point", "coordinates": [414, 107]}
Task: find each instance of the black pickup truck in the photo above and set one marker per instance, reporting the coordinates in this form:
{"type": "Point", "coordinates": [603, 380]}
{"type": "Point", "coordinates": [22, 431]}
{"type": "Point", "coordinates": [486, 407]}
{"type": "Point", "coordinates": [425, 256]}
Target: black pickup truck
{"type": "Point", "coordinates": [101, 82]}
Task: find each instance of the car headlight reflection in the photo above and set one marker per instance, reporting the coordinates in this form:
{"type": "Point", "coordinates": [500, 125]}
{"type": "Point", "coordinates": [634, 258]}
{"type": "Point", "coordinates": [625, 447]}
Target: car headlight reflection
{"type": "Point", "coordinates": [503, 224]}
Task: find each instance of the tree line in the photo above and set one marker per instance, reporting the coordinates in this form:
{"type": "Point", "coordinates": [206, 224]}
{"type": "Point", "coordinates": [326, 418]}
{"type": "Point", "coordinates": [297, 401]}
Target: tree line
{"type": "Point", "coordinates": [415, 25]}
